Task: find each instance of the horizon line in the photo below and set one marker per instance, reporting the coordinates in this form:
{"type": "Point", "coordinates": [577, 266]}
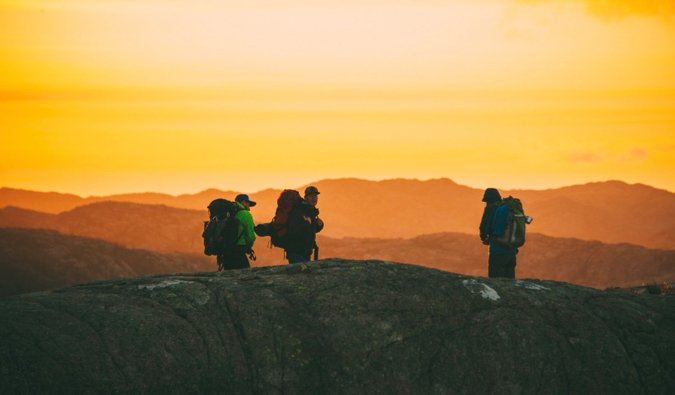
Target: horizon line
{"type": "Point", "coordinates": [337, 179]}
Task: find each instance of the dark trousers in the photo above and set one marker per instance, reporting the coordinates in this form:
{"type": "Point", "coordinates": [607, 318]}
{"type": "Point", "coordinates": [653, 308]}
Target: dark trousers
{"type": "Point", "coordinates": [503, 266]}
{"type": "Point", "coordinates": [232, 261]}
{"type": "Point", "coordinates": [297, 258]}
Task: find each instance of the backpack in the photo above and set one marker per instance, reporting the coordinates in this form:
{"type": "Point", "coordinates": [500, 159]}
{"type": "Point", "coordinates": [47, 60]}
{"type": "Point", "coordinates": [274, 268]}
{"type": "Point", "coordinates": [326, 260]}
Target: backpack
{"type": "Point", "coordinates": [221, 231]}
{"type": "Point", "coordinates": [514, 231]}
{"type": "Point", "coordinates": [278, 229]}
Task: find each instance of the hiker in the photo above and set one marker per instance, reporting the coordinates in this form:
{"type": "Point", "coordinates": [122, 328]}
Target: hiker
{"type": "Point", "coordinates": [312, 198]}
{"type": "Point", "coordinates": [502, 260]}
{"type": "Point", "coordinates": [237, 259]}
{"type": "Point", "coordinates": [303, 225]}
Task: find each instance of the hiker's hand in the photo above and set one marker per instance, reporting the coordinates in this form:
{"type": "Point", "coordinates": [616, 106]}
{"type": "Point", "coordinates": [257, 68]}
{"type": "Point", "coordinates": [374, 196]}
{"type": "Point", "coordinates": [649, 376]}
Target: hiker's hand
{"type": "Point", "coordinates": [319, 222]}
{"type": "Point", "coordinates": [307, 219]}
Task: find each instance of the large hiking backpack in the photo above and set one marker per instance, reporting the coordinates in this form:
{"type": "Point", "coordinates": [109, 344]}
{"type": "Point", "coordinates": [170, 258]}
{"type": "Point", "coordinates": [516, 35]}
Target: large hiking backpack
{"type": "Point", "coordinates": [278, 229]}
{"type": "Point", "coordinates": [514, 231]}
{"type": "Point", "coordinates": [222, 230]}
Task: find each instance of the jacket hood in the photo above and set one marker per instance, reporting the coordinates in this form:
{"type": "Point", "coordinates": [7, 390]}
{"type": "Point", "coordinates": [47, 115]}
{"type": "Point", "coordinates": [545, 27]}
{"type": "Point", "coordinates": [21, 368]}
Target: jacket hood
{"type": "Point", "coordinates": [491, 195]}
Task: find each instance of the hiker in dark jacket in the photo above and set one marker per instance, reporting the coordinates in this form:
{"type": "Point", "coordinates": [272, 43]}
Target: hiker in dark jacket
{"type": "Point", "coordinates": [303, 225]}
{"type": "Point", "coordinates": [502, 260]}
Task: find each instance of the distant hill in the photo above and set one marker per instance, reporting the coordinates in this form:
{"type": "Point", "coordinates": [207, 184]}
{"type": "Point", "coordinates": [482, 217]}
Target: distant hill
{"type": "Point", "coordinates": [611, 212]}
{"type": "Point", "coordinates": [153, 227]}
{"type": "Point", "coordinates": [34, 260]}
{"type": "Point", "coordinates": [47, 202]}
{"type": "Point", "coordinates": [54, 203]}
{"type": "Point", "coordinates": [588, 263]}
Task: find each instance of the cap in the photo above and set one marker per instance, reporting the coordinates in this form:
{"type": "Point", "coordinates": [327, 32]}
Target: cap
{"type": "Point", "coordinates": [311, 190]}
{"type": "Point", "coordinates": [491, 195]}
{"type": "Point", "coordinates": [244, 198]}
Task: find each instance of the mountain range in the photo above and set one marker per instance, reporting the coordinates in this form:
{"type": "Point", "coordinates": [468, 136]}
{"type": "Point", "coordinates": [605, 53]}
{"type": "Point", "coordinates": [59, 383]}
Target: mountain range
{"type": "Point", "coordinates": [34, 260]}
{"type": "Point", "coordinates": [610, 212]}
{"type": "Point", "coordinates": [599, 234]}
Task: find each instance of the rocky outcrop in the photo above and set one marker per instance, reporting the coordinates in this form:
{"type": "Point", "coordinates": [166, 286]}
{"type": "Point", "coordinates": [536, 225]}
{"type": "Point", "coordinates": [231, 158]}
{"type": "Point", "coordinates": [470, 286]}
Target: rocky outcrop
{"type": "Point", "coordinates": [336, 327]}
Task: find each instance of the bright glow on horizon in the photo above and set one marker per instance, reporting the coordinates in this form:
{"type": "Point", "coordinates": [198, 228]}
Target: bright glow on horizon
{"type": "Point", "coordinates": [150, 95]}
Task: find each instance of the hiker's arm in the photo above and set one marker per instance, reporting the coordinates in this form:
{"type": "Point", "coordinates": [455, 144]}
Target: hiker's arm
{"type": "Point", "coordinates": [319, 224]}
{"type": "Point", "coordinates": [247, 223]}
{"type": "Point", "coordinates": [484, 227]}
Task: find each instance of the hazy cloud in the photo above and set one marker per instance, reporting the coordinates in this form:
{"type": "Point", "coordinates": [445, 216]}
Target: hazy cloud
{"type": "Point", "coordinates": [621, 8]}
{"type": "Point", "coordinates": [584, 157]}
{"type": "Point", "coordinates": [634, 154]}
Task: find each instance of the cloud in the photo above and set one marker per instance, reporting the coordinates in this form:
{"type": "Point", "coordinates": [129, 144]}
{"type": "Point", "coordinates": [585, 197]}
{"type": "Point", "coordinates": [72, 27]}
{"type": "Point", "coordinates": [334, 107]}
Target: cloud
{"type": "Point", "coordinates": [620, 8]}
{"type": "Point", "coordinates": [635, 154]}
{"type": "Point", "coordinates": [584, 157]}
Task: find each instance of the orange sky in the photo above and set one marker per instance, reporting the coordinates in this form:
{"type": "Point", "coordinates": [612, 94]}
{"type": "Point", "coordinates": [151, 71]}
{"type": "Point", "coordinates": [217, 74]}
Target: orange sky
{"type": "Point", "coordinates": [178, 96]}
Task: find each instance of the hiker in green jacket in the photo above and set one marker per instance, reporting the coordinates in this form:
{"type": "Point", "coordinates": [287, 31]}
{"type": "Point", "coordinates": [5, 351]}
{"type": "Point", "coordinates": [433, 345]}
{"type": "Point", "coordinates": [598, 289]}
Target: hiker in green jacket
{"type": "Point", "coordinates": [238, 259]}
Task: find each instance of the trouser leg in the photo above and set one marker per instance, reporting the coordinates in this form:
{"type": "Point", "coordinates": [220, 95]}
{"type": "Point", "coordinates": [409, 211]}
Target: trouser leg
{"type": "Point", "coordinates": [296, 258]}
{"type": "Point", "coordinates": [510, 270]}
{"type": "Point", "coordinates": [235, 260]}
{"type": "Point", "coordinates": [502, 266]}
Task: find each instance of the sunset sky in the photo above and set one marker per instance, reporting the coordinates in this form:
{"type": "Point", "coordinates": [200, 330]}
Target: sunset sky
{"type": "Point", "coordinates": [109, 96]}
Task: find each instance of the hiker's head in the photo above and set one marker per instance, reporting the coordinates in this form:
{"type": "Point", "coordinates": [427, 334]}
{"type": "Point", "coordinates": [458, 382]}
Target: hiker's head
{"type": "Point", "coordinates": [491, 195]}
{"type": "Point", "coordinates": [312, 196]}
{"type": "Point", "coordinates": [245, 201]}
{"type": "Point", "coordinates": [218, 207]}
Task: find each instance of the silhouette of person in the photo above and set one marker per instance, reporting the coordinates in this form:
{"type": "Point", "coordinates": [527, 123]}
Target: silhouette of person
{"type": "Point", "coordinates": [502, 260]}
{"type": "Point", "coordinates": [303, 225]}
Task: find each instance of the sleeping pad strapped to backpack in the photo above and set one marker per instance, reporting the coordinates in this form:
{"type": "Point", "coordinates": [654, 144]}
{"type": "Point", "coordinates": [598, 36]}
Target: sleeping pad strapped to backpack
{"type": "Point", "coordinates": [221, 232]}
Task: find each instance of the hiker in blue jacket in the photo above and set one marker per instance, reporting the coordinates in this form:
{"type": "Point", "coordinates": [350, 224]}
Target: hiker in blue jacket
{"type": "Point", "coordinates": [502, 260]}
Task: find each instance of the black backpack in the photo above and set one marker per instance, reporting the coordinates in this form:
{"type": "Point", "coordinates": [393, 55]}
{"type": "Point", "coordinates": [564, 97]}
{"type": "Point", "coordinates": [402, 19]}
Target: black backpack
{"type": "Point", "coordinates": [221, 232]}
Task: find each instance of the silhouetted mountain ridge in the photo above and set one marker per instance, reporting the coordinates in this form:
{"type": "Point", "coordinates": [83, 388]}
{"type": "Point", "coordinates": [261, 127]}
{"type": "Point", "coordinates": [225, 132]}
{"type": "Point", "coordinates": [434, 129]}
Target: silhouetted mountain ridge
{"type": "Point", "coordinates": [34, 260]}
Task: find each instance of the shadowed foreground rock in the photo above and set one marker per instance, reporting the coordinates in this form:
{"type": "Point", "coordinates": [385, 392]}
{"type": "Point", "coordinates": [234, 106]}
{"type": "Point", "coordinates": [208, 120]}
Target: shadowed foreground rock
{"type": "Point", "coordinates": [337, 327]}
